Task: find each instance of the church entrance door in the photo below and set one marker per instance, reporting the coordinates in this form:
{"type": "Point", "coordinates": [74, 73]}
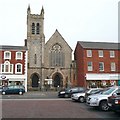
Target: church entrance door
{"type": "Point", "coordinates": [57, 80]}
{"type": "Point", "coordinates": [35, 80]}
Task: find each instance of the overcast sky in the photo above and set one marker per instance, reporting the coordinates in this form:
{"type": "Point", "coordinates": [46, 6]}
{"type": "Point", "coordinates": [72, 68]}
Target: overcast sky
{"type": "Point", "coordinates": [76, 20]}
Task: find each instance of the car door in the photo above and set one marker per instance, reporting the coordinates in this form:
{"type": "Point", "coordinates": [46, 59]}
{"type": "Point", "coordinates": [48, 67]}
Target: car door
{"type": "Point", "coordinates": [9, 90]}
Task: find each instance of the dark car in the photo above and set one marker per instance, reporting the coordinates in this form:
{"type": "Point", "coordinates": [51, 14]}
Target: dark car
{"type": "Point", "coordinates": [16, 89]}
{"type": "Point", "coordinates": [69, 91]}
{"type": "Point", "coordinates": [1, 89]}
{"type": "Point", "coordinates": [114, 102]}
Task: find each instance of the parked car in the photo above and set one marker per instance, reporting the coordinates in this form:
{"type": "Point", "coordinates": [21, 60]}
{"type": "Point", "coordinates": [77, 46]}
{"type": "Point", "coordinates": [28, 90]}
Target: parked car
{"type": "Point", "coordinates": [1, 89]}
{"type": "Point", "coordinates": [101, 100]}
{"type": "Point", "coordinates": [81, 97]}
{"type": "Point", "coordinates": [69, 91]}
{"type": "Point", "coordinates": [16, 89]}
{"type": "Point", "coordinates": [114, 102]}
{"type": "Point", "coordinates": [92, 91]}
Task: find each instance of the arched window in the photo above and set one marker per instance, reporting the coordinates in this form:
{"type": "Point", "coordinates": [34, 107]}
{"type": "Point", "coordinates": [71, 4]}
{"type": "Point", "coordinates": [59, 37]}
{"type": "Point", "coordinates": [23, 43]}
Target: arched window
{"type": "Point", "coordinates": [7, 67]}
{"type": "Point", "coordinates": [37, 28]}
{"type": "Point", "coordinates": [7, 55]}
{"type": "Point", "coordinates": [33, 28]}
{"type": "Point", "coordinates": [56, 57]}
{"type": "Point", "coordinates": [18, 68]}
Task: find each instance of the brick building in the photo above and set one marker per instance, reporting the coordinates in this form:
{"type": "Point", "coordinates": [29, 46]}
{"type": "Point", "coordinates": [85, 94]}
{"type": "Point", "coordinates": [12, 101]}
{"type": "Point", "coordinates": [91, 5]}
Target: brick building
{"type": "Point", "coordinates": [97, 64]}
{"type": "Point", "coordinates": [13, 65]}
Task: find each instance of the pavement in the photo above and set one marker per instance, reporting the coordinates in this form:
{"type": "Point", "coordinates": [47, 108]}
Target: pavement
{"type": "Point", "coordinates": [34, 95]}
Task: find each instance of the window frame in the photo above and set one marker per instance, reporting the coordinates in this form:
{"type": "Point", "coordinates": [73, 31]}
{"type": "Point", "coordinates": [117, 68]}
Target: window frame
{"type": "Point", "coordinates": [102, 63]}
{"type": "Point", "coordinates": [90, 66]}
{"type": "Point", "coordinates": [89, 53]}
{"type": "Point", "coordinates": [19, 58]}
{"type": "Point", "coordinates": [33, 28]}
{"type": "Point", "coordinates": [6, 67]}
{"type": "Point", "coordinates": [112, 54]}
{"type": "Point", "coordinates": [100, 53]}
{"type": "Point", "coordinates": [16, 72]}
{"type": "Point", "coordinates": [5, 56]}
{"type": "Point", "coordinates": [112, 66]}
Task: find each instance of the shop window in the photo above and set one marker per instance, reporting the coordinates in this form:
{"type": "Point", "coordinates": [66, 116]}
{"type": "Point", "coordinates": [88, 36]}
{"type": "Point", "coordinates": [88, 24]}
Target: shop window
{"type": "Point", "coordinates": [19, 56]}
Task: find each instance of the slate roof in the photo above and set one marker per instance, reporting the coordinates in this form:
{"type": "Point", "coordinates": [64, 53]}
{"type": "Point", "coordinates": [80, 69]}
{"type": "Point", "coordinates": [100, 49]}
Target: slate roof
{"type": "Point", "coordinates": [10, 47]}
{"type": "Point", "coordinates": [100, 45]}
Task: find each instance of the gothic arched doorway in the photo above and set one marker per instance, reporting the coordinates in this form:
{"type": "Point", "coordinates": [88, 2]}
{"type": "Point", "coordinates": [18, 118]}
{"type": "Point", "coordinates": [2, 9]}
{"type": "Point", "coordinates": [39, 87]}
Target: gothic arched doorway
{"type": "Point", "coordinates": [35, 80]}
{"type": "Point", "coordinates": [57, 80]}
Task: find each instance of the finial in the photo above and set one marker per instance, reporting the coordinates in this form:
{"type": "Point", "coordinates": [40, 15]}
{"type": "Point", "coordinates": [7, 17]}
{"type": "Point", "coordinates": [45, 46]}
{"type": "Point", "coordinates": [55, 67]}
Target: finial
{"type": "Point", "coordinates": [42, 10]}
{"type": "Point", "coordinates": [28, 10]}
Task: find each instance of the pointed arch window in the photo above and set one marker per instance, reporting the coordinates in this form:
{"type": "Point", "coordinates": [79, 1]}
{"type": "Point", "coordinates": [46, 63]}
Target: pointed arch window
{"type": "Point", "coordinates": [37, 28]}
{"type": "Point", "coordinates": [57, 57]}
{"type": "Point", "coordinates": [33, 28]}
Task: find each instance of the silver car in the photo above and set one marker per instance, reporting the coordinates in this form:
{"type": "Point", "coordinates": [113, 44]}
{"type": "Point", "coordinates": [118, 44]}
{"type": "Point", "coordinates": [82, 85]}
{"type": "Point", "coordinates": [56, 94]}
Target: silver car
{"type": "Point", "coordinates": [81, 97]}
{"type": "Point", "coordinates": [100, 100]}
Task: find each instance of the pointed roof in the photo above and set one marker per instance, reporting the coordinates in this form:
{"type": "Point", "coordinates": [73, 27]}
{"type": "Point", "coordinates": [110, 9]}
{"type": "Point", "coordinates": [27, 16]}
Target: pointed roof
{"type": "Point", "coordinates": [57, 32]}
{"type": "Point", "coordinates": [42, 10]}
{"type": "Point", "coordinates": [28, 7]}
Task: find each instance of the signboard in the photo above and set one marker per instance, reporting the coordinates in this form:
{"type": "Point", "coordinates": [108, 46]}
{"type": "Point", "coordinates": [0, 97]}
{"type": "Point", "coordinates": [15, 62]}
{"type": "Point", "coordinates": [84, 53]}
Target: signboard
{"type": "Point", "coordinates": [118, 82]}
{"type": "Point", "coordinates": [3, 76]}
{"type": "Point", "coordinates": [49, 81]}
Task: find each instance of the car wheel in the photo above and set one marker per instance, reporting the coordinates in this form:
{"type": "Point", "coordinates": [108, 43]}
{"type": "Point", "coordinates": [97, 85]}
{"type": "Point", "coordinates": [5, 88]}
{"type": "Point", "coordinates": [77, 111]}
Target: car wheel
{"type": "Point", "coordinates": [3, 93]}
{"type": "Point", "coordinates": [81, 99]}
{"type": "Point", "coordinates": [104, 106]}
{"type": "Point", "coordinates": [20, 93]}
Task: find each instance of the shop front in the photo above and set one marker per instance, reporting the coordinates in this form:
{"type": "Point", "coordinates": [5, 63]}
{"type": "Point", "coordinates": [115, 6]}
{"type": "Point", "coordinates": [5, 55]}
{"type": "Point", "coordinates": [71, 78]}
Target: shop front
{"type": "Point", "coordinates": [101, 80]}
{"type": "Point", "coordinates": [6, 80]}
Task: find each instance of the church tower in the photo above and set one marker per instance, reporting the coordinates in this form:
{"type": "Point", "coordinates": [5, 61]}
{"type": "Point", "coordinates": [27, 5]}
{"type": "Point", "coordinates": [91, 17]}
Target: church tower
{"type": "Point", "coordinates": [35, 43]}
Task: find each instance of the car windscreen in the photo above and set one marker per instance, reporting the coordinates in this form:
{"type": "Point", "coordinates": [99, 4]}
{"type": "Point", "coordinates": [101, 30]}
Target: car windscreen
{"type": "Point", "coordinates": [107, 92]}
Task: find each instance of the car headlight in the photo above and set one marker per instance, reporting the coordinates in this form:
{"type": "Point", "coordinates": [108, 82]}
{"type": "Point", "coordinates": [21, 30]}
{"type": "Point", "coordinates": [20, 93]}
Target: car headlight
{"type": "Point", "coordinates": [62, 92]}
{"type": "Point", "coordinates": [74, 95]}
{"type": "Point", "coordinates": [117, 102]}
{"type": "Point", "coordinates": [96, 99]}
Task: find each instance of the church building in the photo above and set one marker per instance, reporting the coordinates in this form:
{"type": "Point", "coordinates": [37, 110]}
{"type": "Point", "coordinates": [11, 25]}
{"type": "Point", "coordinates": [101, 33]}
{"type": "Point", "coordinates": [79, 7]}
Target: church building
{"type": "Point", "coordinates": [49, 63]}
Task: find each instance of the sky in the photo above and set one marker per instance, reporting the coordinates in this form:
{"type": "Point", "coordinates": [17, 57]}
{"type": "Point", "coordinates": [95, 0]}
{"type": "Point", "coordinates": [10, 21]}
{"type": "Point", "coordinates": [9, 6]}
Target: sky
{"type": "Point", "coordinates": [76, 20]}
